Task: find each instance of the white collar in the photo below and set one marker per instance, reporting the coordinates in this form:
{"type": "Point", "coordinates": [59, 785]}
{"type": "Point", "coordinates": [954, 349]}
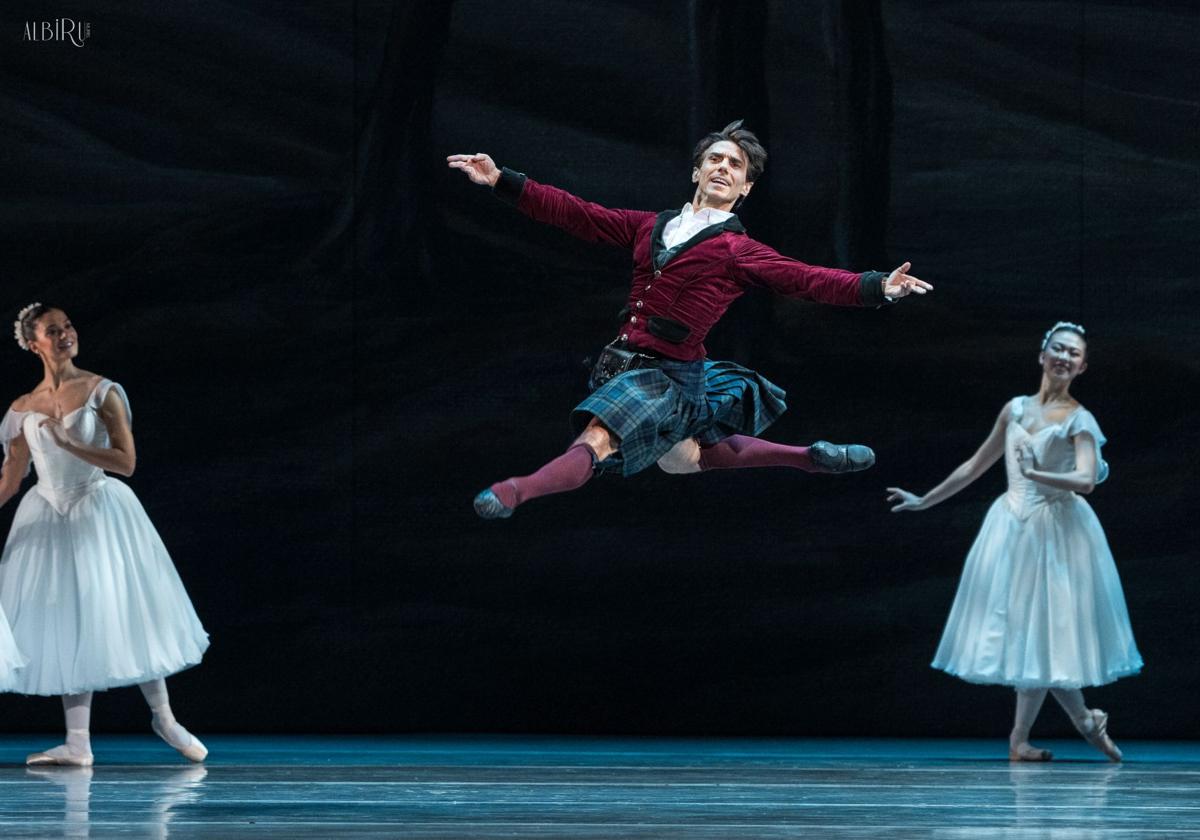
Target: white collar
{"type": "Point", "coordinates": [710, 214]}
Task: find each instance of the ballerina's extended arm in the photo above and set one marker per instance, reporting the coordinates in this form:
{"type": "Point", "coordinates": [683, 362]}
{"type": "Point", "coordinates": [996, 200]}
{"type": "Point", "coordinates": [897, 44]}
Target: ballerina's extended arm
{"type": "Point", "coordinates": [988, 453]}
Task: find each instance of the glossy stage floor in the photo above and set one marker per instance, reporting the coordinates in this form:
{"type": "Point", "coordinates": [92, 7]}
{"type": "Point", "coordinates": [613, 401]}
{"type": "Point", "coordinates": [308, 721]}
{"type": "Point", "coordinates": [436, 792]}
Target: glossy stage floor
{"type": "Point", "coordinates": [512, 787]}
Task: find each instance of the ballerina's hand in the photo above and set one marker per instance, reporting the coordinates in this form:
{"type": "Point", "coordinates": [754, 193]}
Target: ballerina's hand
{"type": "Point", "coordinates": [57, 430]}
{"type": "Point", "coordinates": [1025, 460]}
{"type": "Point", "coordinates": [480, 168]}
{"type": "Point", "coordinates": [908, 501]}
{"type": "Point", "coordinates": [901, 284]}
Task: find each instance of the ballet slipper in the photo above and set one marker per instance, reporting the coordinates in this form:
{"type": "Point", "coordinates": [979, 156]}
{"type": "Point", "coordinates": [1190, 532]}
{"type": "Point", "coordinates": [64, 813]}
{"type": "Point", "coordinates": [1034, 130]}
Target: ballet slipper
{"type": "Point", "coordinates": [192, 749]}
{"type": "Point", "coordinates": [489, 506]}
{"type": "Point", "coordinates": [61, 756]}
{"type": "Point", "coordinates": [840, 457]}
{"type": "Point", "coordinates": [1097, 734]}
{"type": "Point", "coordinates": [1025, 751]}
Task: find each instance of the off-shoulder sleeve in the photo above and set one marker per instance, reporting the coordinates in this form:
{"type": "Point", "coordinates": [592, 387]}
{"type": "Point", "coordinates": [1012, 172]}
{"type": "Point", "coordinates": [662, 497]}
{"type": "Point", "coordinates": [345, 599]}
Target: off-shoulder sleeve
{"type": "Point", "coordinates": [11, 429]}
{"type": "Point", "coordinates": [1016, 408]}
{"type": "Point", "coordinates": [1081, 422]}
{"type": "Point", "coordinates": [100, 392]}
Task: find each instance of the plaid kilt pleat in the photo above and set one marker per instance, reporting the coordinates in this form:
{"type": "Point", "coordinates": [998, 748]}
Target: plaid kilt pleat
{"type": "Point", "coordinates": [653, 408]}
{"type": "Point", "coordinates": [740, 402]}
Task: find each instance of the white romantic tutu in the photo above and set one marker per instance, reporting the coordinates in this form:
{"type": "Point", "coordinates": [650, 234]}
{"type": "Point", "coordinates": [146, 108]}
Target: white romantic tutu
{"type": "Point", "coordinates": [89, 588]}
{"type": "Point", "coordinates": [10, 656]}
{"type": "Point", "coordinates": [1040, 601]}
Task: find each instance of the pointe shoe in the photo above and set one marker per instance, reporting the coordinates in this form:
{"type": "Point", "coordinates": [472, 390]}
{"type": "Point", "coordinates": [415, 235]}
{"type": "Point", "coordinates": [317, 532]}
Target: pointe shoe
{"type": "Point", "coordinates": [193, 750]}
{"type": "Point", "coordinates": [489, 506]}
{"type": "Point", "coordinates": [1028, 752]}
{"type": "Point", "coordinates": [841, 457]}
{"type": "Point", "coordinates": [60, 756]}
{"type": "Point", "coordinates": [1098, 736]}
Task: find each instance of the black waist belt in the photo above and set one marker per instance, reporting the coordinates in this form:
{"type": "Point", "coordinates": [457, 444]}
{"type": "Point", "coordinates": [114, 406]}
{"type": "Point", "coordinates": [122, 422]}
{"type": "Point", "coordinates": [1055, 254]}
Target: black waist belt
{"type": "Point", "coordinates": [667, 329]}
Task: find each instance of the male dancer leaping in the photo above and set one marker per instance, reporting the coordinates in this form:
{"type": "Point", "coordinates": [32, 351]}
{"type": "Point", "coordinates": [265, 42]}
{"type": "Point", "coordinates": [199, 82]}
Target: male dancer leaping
{"type": "Point", "coordinates": [656, 397]}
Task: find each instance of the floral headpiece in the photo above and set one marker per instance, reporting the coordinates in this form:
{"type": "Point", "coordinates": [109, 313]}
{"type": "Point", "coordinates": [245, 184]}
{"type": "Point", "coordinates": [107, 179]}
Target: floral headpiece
{"type": "Point", "coordinates": [18, 325]}
{"type": "Point", "coordinates": [1062, 325]}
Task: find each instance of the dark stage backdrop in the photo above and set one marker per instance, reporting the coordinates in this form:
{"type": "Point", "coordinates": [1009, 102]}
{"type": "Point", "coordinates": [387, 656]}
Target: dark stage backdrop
{"type": "Point", "coordinates": [331, 342]}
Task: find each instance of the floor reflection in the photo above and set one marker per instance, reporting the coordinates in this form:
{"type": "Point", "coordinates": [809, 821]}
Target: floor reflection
{"type": "Point", "coordinates": [502, 788]}
{"type": "Point", "coordinates": [1049, 801]}
{"type": "Point", "coordinates": [76, 783]}
{"type": "Point", "coordinates": [149, 801]}
{"type": "Point", "coordinates": [1043, 795]}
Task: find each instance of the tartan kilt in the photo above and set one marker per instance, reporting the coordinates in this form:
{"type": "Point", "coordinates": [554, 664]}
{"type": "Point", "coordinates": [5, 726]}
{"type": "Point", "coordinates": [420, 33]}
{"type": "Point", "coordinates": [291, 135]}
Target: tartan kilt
{"type": "Point", "coordinates": [653, 408]}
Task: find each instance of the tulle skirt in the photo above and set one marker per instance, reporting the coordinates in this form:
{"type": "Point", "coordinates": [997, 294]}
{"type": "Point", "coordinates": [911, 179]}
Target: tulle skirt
{"type": "Point", "coordinates": [10, 656]}
{"type": "Point", "coordinates": [1040, 603]}
{"type": "Point", "coordinates": [92, 597]}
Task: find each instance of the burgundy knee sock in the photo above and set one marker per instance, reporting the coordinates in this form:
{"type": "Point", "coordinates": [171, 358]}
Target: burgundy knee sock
{"type": "Point", "coordinates": [569, 471]}
{"type": "Point", "coordinates": [740, 451]}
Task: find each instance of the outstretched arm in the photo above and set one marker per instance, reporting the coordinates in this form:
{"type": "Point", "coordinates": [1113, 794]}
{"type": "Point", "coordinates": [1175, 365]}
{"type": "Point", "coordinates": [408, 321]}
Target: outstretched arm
{"type": "Point", "coordinates": [584, 219]}
{"type": "Point", "coordinates": [120, 457]}
{"type": "Point", "coordinates": [1082, 479]}
{"type": "Point", "coordinates": [762, 265]}
{"type": "Point", "coordinates": [966, 472]}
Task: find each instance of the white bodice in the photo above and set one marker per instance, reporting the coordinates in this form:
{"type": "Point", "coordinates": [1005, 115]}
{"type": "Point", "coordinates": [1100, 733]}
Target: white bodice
{"type": "Point", "coordinates": [1053, 451]}
{"type": "Point", "coordinates": [63, 478]}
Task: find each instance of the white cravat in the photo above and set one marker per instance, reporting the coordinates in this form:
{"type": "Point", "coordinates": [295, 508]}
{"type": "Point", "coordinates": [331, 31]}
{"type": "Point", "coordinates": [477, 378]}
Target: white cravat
{"type": "Point", "coordinates": [688, 223]}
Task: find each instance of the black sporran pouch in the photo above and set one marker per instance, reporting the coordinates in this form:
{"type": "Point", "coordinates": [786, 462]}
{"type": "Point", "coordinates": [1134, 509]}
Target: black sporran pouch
{"type": "Point", "coordinates": [613, 361]}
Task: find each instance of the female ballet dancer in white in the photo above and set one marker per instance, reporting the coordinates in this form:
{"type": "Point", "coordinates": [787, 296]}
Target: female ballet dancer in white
{"type": "Point", "coordinates": [91, 593]}
{"type": "Point", "coordinates": [1039, 606]}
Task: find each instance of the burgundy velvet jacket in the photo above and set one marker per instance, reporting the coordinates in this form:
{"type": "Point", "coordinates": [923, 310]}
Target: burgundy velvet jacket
{"type": "Point", "coordinates": [679, 293]}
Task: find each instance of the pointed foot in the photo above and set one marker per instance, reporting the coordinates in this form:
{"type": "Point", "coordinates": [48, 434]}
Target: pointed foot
{"type": "Point", "coordinates": [489, 506]}
{"type": "Point", "coordinates": [187, 744]}
{"type": "Point", "coordinates": [841, 457]}
{"type": "Point", "coordinates": [1096, 734]}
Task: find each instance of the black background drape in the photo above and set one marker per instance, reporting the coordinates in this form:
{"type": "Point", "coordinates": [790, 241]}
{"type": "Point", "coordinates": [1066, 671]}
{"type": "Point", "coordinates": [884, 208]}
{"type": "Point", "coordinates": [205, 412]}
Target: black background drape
{"type": "Point", "coordinates": [331, 342]}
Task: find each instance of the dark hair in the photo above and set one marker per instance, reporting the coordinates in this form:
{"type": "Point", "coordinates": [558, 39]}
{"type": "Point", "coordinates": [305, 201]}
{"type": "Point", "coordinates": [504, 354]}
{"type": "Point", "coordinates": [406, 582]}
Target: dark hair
{"type": "Point", "coordinates": [27, 320]}
{"type": "Point", "coordinates": [756, 155]}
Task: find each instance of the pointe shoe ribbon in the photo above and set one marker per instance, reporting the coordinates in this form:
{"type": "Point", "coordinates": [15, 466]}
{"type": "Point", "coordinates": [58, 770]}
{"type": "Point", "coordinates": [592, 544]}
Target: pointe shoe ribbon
{"type": "Point", "coordinates": [193, 750]}
{"type": "Point", "coordinates": [1098, 736]}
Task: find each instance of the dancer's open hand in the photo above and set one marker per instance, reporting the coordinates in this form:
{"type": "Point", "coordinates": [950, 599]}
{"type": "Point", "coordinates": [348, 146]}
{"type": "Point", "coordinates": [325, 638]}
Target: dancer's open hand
{"type": "Point", "coordinates": [480, 168]}
{"type": "Point", "coordinates": [57, 430]}
{"type": "Point", "coordinates": [908, 501]}
{"type": "Point", "coordinates": [901, 284]}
